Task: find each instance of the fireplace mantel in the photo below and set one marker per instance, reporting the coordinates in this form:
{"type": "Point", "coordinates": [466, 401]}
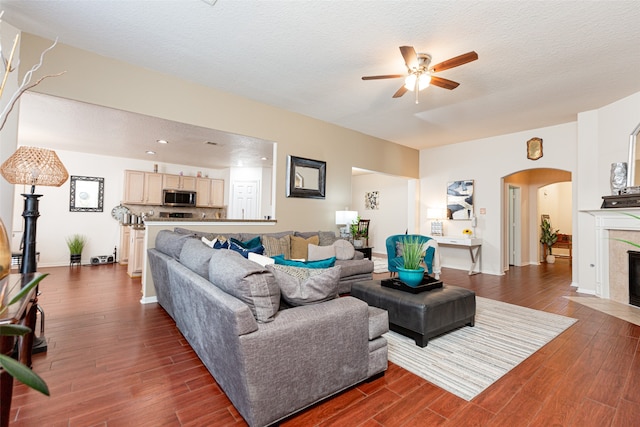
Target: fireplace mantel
{"type": "Point", "coordinates": [607, 220]}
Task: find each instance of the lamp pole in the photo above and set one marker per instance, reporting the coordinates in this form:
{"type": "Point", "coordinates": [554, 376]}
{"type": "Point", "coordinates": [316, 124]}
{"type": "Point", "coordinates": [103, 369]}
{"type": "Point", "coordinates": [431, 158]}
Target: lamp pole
{"type": "Point", "coordinates": [30, 216]}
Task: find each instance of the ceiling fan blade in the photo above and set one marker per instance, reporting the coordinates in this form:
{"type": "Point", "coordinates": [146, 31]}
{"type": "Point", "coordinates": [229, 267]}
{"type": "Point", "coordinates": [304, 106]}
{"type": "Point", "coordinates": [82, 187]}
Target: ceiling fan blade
{"type": "Point", "coordinates": [386, 76]}
{"type": "Point", "coordinates": [455, 62]}
{"type": "Point", "coordinates": [400, 92]}
{"type": "Point", "coordinates": [410, 57]}
{"type": "Point", "coordinates": [444, 83]}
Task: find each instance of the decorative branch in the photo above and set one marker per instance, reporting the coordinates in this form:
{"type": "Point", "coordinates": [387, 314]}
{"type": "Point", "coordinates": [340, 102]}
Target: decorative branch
{"type": "Point", "coordinates": [25, 85]}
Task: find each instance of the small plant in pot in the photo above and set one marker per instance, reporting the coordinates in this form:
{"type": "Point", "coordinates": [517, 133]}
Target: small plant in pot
{"type": "Point", "coordinates": [75, 244]}
{"type": "Point", "coordinates": [548, 237]}
{"type": "Point", "coordinates": [413, 251]}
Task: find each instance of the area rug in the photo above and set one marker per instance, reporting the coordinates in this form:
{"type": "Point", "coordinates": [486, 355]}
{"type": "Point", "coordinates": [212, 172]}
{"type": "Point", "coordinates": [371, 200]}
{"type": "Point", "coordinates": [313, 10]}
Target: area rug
{"type": "Point", "coordinates": [380, 265]}
{"type": "Point", "coordinates": [468, 360]}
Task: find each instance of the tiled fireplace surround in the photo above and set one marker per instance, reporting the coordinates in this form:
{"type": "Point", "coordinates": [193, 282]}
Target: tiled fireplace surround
{"type": "Point", "coordinates": [612, 278]}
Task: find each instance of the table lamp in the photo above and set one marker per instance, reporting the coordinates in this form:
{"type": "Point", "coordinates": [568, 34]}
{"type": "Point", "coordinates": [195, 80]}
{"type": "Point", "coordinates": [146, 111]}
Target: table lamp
{"type": "Point", "coordinates": [345, 218]}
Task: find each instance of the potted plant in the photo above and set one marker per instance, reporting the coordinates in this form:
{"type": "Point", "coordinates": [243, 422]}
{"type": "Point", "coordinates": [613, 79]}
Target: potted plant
{"type": "Point", "coordinates": [413, 251]}
{"type": "Point", "coordinates": [355, 233]}
{"type": "Point", "coordinates": [75, 244]}
{"type": "Point", "coordinates": [17, 370]}
{"type": "Point", "coordinates": [548, 237]}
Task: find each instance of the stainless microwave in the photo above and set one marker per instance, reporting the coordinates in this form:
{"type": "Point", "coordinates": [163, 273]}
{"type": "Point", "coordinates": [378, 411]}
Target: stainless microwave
{"type": "Point", "coordinates": [178, 198]}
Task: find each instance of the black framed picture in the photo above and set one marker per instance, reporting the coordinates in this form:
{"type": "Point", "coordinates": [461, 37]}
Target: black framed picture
{"type": "Point", "coordinates": [86, 194]}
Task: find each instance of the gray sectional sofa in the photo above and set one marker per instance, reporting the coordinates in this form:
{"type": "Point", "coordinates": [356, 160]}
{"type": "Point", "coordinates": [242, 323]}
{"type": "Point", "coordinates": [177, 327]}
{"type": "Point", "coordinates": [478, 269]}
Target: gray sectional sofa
{"type": "Point", "coordinates": [352, 270]}
{"type": "Point", "coordinates": [271, 359]}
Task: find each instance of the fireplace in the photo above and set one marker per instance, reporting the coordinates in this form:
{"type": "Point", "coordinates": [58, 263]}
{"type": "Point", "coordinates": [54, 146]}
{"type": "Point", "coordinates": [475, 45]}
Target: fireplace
{"type": "Point", "coordinates": [634, 278]}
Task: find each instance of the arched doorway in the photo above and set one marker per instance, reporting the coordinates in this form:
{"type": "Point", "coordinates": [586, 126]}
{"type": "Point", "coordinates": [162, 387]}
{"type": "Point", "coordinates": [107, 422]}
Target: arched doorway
{"type": "Point", "coordinates": [521, 215]}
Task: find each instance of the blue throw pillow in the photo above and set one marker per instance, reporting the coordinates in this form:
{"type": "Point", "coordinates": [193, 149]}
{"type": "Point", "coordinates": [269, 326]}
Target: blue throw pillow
{"type": "Point", "coordinates": [249, 244]}
{"type": "Point", "coordinates": [244, 251]}
{"type": "Point", "coordinates": [323, 263]}
{"type": "Point", "coordinates": [221, 245]}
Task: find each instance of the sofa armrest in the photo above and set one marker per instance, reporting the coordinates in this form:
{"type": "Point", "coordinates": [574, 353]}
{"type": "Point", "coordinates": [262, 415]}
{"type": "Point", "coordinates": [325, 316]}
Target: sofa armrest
{"type": "Point", "coordinates": [315, 350]}
{"type": "Point", "coordinates": [358, 255]}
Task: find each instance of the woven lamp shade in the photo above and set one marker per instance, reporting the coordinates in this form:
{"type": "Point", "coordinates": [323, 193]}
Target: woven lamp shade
{"type": "Point", "coordinates": [34, 166]}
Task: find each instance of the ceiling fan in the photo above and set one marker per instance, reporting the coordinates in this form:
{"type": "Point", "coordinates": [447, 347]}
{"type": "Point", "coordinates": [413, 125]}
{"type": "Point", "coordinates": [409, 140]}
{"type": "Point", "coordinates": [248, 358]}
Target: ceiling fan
{"type": "Point", "coordinates": [421, 73]}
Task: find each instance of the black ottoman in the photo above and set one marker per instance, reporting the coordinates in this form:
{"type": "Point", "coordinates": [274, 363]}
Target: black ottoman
{"type": "Point", "coordinates": [420, 316]}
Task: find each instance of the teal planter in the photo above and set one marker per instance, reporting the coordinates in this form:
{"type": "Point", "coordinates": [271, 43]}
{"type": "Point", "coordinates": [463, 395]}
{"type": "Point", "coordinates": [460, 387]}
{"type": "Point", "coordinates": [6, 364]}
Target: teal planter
{"type": "Point", "coordinates": [411, 277]}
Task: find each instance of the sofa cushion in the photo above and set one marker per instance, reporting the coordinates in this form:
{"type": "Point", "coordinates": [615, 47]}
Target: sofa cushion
{"type": "Point", "coordinates": [327, 238]}
{"type": "Point", "coordinates": [300, 246]}
{"type": "Point", "coordinates": [277, 245]}
{"type": "Point", "coordinates": [261, 259]}
{"type": "Point", "coordinates": [320, 252]}
{"type": "Point", "coordinates": [306, 234]}
{"type": "Point", "coordinates": [247, 281]}
{"type": "Point", "coordinates": [344, 249]}
{"type": "Point", "coordinates": [245, 251]}
{"type": "Point", "coordinates": [249, 244]}
{"type": "Point", "coordinates": [355, 267]}
{"type": "Point", "coordinates": [303, 286]}
{"type": "Point", "coordinates": [170, 243]}
{"type": "Point", "coordinates": [195, 255]}
{"type": "Point", "coordinates": [323, 263]}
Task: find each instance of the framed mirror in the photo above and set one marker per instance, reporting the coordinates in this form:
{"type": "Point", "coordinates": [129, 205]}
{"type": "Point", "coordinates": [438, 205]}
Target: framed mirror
{"type": "Point", "coordinates": [460, 199]}
{"type": "Point", "coordinates": [87, 194]}
{"type": "Point", "coordinates": [306, 178]}
{"type": "Point", "coordinates": [632, 179]}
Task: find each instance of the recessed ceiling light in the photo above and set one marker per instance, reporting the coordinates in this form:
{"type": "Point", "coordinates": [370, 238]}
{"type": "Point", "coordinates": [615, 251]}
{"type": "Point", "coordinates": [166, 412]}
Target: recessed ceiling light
{"type": "Point", "coordinates": [162, 141]}
{"type": "Point", "coordinates": [263, 158]}
{"type": "Point", "coordinates": [151, 152]}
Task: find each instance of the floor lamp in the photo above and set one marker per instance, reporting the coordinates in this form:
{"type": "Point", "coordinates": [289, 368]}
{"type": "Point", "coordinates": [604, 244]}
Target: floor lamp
{"type": "Point", "coordinates": [33, 166]}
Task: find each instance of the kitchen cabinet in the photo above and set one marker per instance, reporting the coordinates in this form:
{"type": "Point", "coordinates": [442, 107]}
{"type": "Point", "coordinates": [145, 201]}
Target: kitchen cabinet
{"type": "Point", "coordinates": [136, 252]}
{"type": "Point", "coordinates": [178, 182]}
{"type": "Point", "coordinates": [152, 188]}
{"type": "Point", "coordinates": [142, 188]}
{"type": "Point", "coordinates": [210, 192]}
{"type": "Point", "coordinates": [125, 232]}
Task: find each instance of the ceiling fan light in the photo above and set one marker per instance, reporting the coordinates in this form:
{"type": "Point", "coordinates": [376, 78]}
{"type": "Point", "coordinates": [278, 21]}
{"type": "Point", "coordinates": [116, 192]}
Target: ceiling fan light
{"type": "Point", "coordinates": [410, 82]}
{"type": "Point", "coordinates": [424, 81]}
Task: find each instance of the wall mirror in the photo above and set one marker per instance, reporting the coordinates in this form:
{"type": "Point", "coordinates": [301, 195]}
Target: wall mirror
{"type": "Point", "coordinates": [633, 179]}
{"type": "Point", "coordinates": [306, 178]}
{"type": "Point", "coordinates": [87, 194]}
{"type": "Point", "coordinates": [460, 199]}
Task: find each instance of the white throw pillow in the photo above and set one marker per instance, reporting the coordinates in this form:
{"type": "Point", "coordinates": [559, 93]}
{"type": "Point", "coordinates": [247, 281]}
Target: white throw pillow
{"type": "Point", "coordinates": [344, 249]}
{"type": "Point", "coordinates": [261, 259]}
{"type": "Point", "coordinates": [317, 253]}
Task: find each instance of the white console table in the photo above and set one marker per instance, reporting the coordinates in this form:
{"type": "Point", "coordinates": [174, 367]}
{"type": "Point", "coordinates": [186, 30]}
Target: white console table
{"type": "Point", "coordinates": [474, 245]}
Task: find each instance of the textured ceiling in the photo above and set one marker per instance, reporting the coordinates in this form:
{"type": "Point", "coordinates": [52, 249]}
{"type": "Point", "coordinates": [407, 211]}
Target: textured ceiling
{"type": "Point", "coordinates": [540, 62]}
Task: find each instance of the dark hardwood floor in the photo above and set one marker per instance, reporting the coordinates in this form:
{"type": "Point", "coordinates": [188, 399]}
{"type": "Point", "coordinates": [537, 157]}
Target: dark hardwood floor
{"type": "Point", "coordinates": [114, 362]}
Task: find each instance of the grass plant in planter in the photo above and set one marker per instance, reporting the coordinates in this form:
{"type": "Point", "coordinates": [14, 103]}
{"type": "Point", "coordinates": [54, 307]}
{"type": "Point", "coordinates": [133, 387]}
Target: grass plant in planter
{"type": "Point", "coordinates": [75, 244]}
{"type": "Point", "coordinates": [413, 252]}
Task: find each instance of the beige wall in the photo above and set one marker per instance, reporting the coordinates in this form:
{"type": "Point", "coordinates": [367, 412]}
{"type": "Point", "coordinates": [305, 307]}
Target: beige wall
{"type": "Point", "coordinates": [103, 81]}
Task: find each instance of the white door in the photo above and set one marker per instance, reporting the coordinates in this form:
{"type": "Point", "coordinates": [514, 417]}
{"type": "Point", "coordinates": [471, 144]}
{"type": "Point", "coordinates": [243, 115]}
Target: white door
{"type": "Point", "coordinates": [514, 228]}
{"type": "Point", "coordinates": [245, 200]}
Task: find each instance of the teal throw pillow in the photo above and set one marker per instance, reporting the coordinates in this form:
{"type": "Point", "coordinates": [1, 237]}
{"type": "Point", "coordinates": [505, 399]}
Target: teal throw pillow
{"type": "Point", "coordinates": [323, 263]}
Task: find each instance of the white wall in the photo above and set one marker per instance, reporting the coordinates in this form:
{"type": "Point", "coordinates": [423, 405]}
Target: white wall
{"type": "Point", "coordinates": [56, 222]}
{"type": "Point", "coordinates": [392, 217]}
{"type": "Point", "coordinates": [487, 161]}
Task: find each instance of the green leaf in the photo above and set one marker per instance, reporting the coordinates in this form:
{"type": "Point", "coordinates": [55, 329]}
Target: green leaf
{"type": "Point", "coordinates": [16, 330]}
{"type": "Point", "coordinates": [26, 289]}
{"type": "Point", "coordinates": [628, 242]}
{"type": "Point", "coordinates": [23, 374]}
